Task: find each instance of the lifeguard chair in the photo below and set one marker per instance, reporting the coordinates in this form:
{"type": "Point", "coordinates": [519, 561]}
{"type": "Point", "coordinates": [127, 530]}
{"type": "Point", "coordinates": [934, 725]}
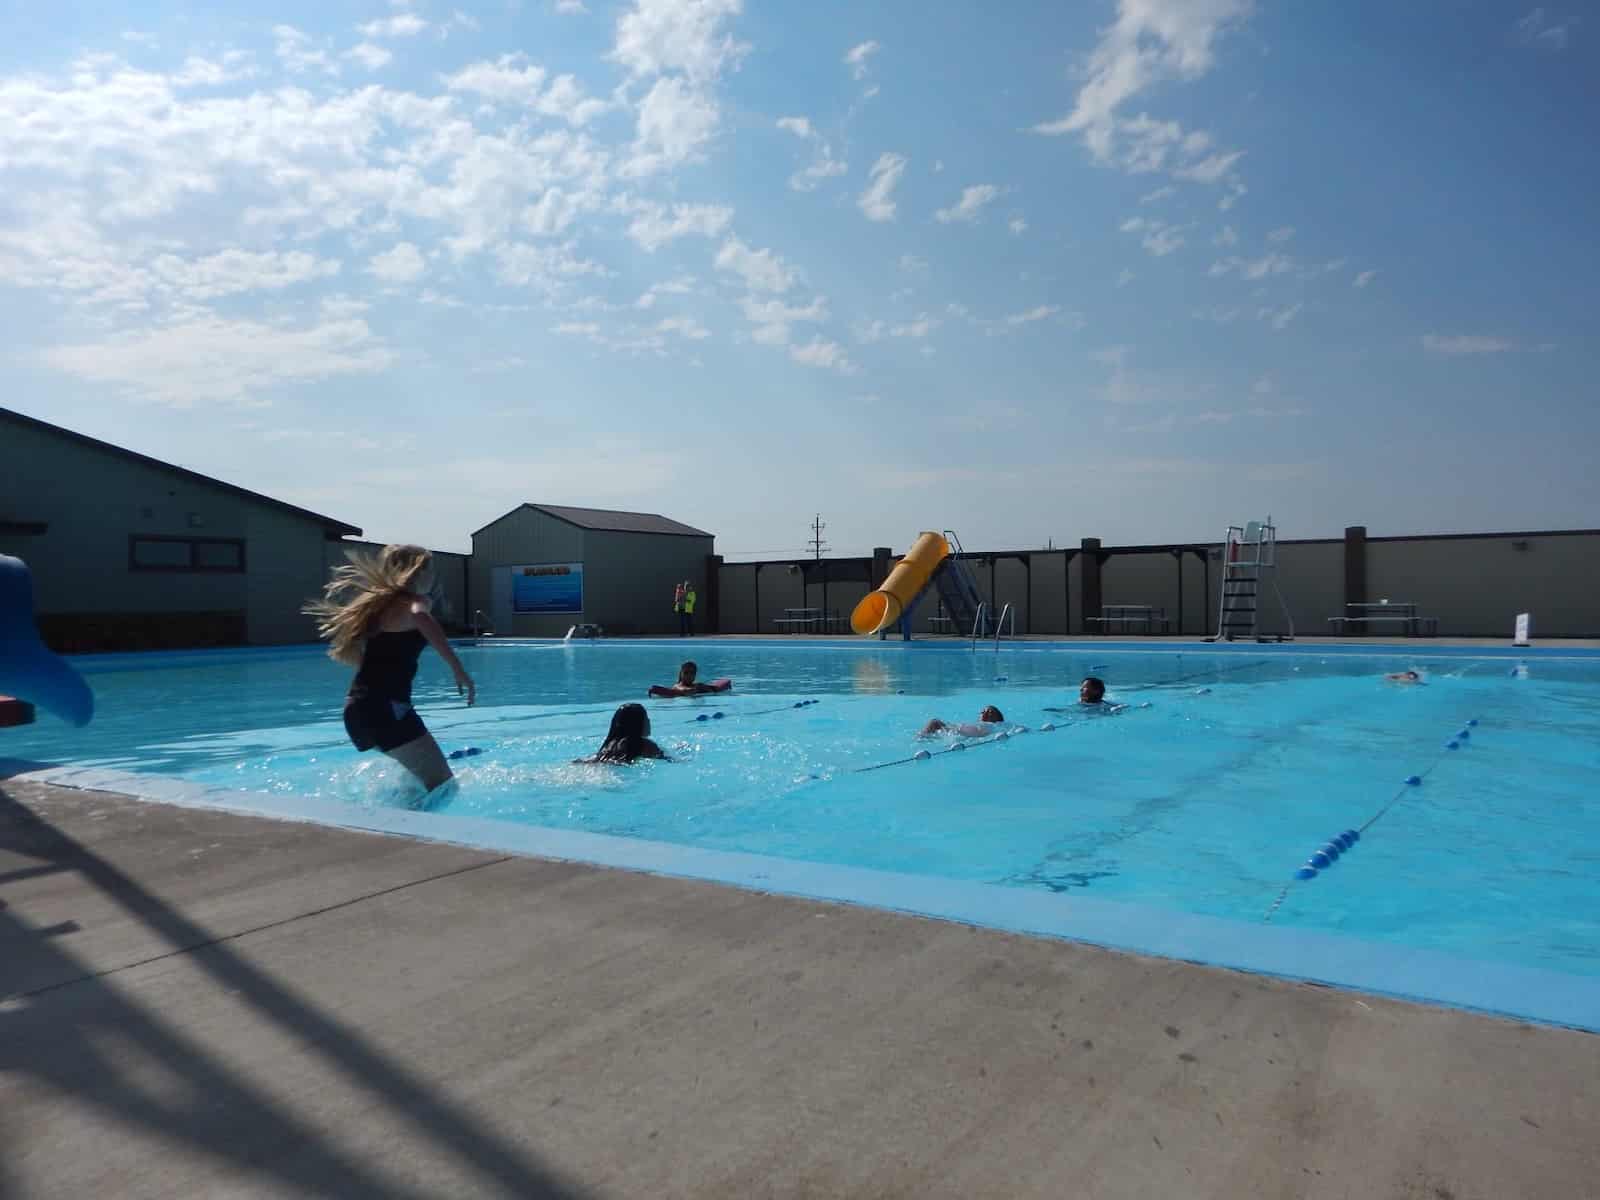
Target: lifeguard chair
{"type": "Point", "coordinates": [1249, 561]}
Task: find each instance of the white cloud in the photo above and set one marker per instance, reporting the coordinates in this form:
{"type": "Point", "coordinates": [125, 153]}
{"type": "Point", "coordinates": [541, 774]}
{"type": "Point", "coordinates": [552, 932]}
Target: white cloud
{"type": "Point", "coordinates": [459, 20]}
{"type": "Point", "coordinates": [1467, 343]}
{"type": "Point", "coordinates": [1210, 169]}
{"type": "Point", "coordinates": [871, 331]}
{"type": "Point", "coordinates": [822, 353]}
{"type": "Point", "coordinates": [919, 328]}
{"type": "Point", "coordinates": [569, 7]}
{"type": "Point", "coordinates": [1267, 265]}
{"type": "Point", "coordinates": [656, 225]}
{"type": "Point", "coordinates": [1226, 238]}
{"type": "Point", "coordinates": [1363, 279]}
{"type": "Point", "coordinates": [1278, 236]}
{"type": "Point", "coordinates": [761, 270]}
{"type": "Point", "coordinates": [1540, 31]}
{"type": "Point", "coordinates": [400, 264]}
{"type": "Point", "coordinates": [400, 25]}
{"type": "Point", "coordinates": [1159, 238]}
{"type": "Point", "coordinates": [913, 265]}
{"type": "Point", "coordinates": [547, 268]}
{"type": "Point", "coordinates": [1219, 314]}
{"type": "Point", "coordinates": [675, 123]}
{"type": "Point", "coordinates": [1151, 41]}
{"type": "Point", "coordinates": [148, 40]}
{"type": "Point", "coordinates": [772, 318]}
{"type": "Point", "coordinates": [684, 326]}
{"type": "Point", "coordinates": [877, 200]}
{"type": "Point", "coordinates": [298, 53]}
{"type": "Point", "coordinates": [1161, 193]}
{"type": "Point", "coordinates": [659, 36]}
{"type": "Point", "coordinates": [208, 358]}
{"type": "Point", "coordinates": [1125, 277]}
{"type": "Point", "coordinates": [511, 79]}
{"type": "Point", "coordinates": [680, 286]}
{"type": "Point", "coordinates": [231, 272]}
{"type": "Point", "coordinates": [576, 329]}
{"type": "Point", "coordinates": [1042, 312]}
{"type": "Point", "coordinates": [1279, 318]}
{"type": "Point", "coordinates": [972, 202]}
{"type": "Point", "coordinates": [825, 167]}
{"type": "Point", "coordinates": [369, 56]}
{"type": "Point", "coordinates": [856, 58]}
{"type": "Point", "coordinates": [1017, 226]}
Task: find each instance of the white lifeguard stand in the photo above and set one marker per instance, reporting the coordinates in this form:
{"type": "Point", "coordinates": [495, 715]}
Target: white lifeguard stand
{"type": "Point", "coordinates": [1249, 562]}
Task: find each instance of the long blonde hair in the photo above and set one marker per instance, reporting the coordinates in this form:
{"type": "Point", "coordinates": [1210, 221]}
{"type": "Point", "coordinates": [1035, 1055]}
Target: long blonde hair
{"type": "Point", "coordinates": [359, 592]}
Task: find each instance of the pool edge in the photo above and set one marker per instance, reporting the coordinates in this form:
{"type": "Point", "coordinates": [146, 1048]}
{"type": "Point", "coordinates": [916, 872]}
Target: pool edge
{"type": "Point", "coordinates": [1339, 961]}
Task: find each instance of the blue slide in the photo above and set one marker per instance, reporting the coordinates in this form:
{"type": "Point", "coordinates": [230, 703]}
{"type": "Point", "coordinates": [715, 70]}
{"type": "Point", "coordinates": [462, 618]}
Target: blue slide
{"type": "Point", "coordinates": [28, 670]}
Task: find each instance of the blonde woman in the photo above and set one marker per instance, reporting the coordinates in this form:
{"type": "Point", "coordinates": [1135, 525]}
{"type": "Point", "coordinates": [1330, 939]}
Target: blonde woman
{"type": "Point", "coordinates": [376, 614]}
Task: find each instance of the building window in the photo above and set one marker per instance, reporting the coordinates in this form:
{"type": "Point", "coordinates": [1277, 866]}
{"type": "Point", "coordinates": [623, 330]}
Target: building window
{"type": "Point", "coordinates": [185, 554]}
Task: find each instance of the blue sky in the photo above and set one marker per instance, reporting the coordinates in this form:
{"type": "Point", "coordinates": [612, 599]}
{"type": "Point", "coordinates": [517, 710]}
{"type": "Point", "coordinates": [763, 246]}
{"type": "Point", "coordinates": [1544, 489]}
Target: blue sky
{"type": "Point", "coordinates": [1131, 270]}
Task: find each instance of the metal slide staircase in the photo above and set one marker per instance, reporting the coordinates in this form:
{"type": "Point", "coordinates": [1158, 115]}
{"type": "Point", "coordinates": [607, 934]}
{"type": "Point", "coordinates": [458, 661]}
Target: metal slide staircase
{"type": "Point", "coordinates": [958, 591]}
{"type": "Point", "coordinates": [1249, 560]}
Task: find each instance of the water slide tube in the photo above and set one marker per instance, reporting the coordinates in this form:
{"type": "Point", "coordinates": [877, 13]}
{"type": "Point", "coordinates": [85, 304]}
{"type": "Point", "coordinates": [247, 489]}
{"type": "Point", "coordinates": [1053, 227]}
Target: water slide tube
{"type": "Point", "coordinates": [880, 609]}
{"type": "Point", "coordinates": [28, 671]}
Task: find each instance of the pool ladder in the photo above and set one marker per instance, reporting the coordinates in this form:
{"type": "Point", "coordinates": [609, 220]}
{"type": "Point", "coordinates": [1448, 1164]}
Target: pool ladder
{"type": "Point", "coordinates": [978, 626]}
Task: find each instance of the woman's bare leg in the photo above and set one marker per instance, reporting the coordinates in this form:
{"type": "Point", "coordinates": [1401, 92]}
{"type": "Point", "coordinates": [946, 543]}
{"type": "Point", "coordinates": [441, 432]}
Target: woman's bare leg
{"type": "Point", "coordinates": [423, 758]}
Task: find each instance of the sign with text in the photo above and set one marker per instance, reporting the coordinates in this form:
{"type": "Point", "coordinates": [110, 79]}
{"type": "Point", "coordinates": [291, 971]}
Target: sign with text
{"type": "Point", "coordinates": [547, 588]}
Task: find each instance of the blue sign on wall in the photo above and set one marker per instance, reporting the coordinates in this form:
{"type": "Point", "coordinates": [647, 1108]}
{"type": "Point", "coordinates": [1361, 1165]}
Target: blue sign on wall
{"type": "Point", "coordinates": [547, 588]}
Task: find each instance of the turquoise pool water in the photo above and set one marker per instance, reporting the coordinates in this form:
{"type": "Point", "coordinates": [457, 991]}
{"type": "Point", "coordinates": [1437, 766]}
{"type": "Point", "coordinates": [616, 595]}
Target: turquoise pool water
{"type": "Point", "coordinates": [1243, 763]}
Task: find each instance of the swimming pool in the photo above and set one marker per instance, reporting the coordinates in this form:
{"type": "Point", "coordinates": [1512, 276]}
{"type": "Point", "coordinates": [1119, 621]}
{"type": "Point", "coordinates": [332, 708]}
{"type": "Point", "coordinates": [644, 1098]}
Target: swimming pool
{"type": "Point", "coordinates": [1191, 809]}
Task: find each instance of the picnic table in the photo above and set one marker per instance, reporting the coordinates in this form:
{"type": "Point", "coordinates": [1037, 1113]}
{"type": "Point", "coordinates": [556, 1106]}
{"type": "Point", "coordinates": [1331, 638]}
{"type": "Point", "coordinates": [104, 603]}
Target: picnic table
{"type": "Point", "coordinates": [1124, 615]}
{"type": "Point", "coordinates": [1402, 613]}
{"type": "Point", "coordinates": [808, 620]}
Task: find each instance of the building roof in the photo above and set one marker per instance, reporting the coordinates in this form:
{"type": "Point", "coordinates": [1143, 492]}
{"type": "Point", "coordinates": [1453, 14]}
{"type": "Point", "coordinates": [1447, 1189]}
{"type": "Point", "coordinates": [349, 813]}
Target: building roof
{"type": "Point", "coordinates": [608, 519]}
{"type": "Point", "coordinates": [339, 528]}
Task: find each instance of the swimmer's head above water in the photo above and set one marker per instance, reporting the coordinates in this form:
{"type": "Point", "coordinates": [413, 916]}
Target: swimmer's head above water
{"type": "Point", "coordinates": [1092, 690]}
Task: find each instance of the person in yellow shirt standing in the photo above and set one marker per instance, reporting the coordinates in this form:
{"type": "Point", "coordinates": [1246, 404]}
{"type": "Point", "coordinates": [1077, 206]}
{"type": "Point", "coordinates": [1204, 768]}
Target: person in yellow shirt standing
{"type": "Point", "coordinates": [686, 628]}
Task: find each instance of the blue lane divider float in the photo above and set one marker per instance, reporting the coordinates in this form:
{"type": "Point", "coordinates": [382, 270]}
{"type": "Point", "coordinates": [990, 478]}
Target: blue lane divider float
{"type": "Point", "coordinates": [760, 712]}
{"type": "Point", "coordinates": [1340, 844]}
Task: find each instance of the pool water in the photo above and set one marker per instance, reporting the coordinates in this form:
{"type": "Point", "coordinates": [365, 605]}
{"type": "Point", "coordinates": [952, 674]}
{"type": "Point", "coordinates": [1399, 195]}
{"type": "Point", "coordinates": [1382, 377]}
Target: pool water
{"type": "Point", "coordinates": [1227, 770]}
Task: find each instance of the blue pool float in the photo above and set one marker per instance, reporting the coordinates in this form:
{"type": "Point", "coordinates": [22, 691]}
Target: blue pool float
{"type": "Point", "coordinates": [28, 670]}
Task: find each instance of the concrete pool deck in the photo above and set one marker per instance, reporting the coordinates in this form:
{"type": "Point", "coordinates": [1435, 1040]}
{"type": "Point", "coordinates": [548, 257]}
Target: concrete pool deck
{"type": "Point", "coordinates": [194, 1002]}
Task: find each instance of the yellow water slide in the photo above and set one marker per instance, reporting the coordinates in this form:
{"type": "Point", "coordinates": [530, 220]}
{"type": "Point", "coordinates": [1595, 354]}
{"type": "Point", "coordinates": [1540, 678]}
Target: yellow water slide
{"type": "Point", "coordinates": [880, 609]}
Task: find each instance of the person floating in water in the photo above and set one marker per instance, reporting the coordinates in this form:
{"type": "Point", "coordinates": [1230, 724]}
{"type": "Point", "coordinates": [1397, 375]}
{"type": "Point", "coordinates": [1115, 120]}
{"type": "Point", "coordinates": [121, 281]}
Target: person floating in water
{"type": "Point", "coordinates": [628, 740]}
{"type": "Point", "coordinates": [377, 615]}
{"type": "Point", "coordinates": [1404, 677]}
{"type": "Point", "coordinates": [1092, 697]}
{"type": "Point", "coordinates": [686, 685]}
{"type": "Point", "coordinates": [988, 721]}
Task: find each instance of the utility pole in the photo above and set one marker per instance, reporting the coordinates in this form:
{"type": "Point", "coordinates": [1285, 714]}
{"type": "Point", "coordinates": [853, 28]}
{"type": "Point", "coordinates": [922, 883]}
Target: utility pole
{"type": "Point", "coordinates": [816, 543]}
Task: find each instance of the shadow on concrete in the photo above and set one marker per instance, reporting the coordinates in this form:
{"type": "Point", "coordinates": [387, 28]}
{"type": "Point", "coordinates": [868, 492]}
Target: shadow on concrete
{"type": "Point", "coordinates": [74, 1034]}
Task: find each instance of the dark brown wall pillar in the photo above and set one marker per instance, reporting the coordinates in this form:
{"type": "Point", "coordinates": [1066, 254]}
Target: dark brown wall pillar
{"type": "Point", "coordinates": [1089, 581]}
{"type": "Point", "coordinates": [882, 564]}
{"type": "Point", "coordinates": [713, 593]}
{"type": "Point", "coordinates": [1355, 565]}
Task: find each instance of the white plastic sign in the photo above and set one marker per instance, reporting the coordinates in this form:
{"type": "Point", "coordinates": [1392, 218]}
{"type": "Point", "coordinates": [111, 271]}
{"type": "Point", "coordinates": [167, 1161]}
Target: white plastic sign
{"type": "Point", "coordinates": [1523, 623]}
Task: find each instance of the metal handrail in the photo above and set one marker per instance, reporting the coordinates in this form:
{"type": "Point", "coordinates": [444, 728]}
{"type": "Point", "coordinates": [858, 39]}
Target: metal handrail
{"type": "Point", "coordinates": [1005, 612]}
{"type": "Point", "coordinates": [977, 621]}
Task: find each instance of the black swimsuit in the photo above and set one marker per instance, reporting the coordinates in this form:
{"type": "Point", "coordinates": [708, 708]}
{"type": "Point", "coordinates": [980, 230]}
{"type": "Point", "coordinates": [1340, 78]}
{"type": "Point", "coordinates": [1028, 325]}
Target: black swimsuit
{"type": "Point", "coordinates": [377, 710]}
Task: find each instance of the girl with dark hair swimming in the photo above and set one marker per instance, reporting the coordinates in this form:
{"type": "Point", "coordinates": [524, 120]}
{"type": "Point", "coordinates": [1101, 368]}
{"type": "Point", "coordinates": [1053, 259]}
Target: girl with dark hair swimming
{"type": "Point", "coordinates": [628, 739]}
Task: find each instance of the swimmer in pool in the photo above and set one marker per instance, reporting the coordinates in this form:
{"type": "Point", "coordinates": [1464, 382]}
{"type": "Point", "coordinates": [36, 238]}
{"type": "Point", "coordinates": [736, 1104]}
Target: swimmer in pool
{"type": "Point", "coordinates": [1404, 677]}
{"type": "Point", "coordinates": [628, 739]}
{"type": "Point", "coordinates": [686, 685]}
{"type": "Point", "coordinates": [988, 721]}
{"type": "Point", "coordinates": [1092, 697]}
{"type": "Point", "coordinates": [377, 616]}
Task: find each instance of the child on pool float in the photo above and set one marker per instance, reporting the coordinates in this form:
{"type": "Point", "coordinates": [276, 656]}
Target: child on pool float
{"type": "Point", "coordinates": [628, 739]}
{"type": "Point", "coordinates": [686, 685]}
{"type": "Point", "coordinates": [989, 721]}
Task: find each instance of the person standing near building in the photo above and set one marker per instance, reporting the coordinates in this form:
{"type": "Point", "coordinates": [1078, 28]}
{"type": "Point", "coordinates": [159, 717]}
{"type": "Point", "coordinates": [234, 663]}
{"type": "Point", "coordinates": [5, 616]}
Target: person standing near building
{"type": "Point", "coordinates": [689, 599]}
{"type": "Point", "coordinates": [677, 608]}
